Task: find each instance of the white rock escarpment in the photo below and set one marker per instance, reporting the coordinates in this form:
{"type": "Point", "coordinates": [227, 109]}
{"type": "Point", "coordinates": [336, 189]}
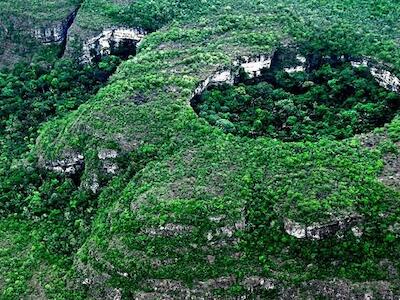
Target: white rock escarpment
{"type": "Point", "coordinates": [109, 40]}
{"type": "Point", "coordinates": [359, 64]}
{"type": "Point", "coordinates": [107, 157]}
{"type": "Point", "coordinates": [302, 59]}
{"type": "Point", "coordinates": [54, 33]}
{"type": "Point", "coordinates": [295, 69]}
{"type": "Point", "coordinates": [107, 153]}
{"type": "Point", "coordinates": [71, 163]}
{"type": "Point", "coordinates": [254, 65]}
{"type": "Point", "coordinates": [301, 66]}
{"type": "Point", "coordinates": [221, 77]}
{"type": "Point", "coordinates": [318, 231]}
{"type": "Point", "coordinates": [380, 72]}
{"type": "Point", "coordinates": [251, 65]}
{"type": "Point", "coordinates": [386, 79]}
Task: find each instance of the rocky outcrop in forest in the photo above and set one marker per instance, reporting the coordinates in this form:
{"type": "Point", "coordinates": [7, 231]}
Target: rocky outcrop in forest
{"type": "Point", "coordinates": [54, 33]}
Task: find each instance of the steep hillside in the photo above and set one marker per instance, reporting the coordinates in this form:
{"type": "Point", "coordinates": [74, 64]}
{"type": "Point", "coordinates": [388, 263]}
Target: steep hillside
{"type": "Point", "coordinates": [26, 25]}
{"type": "Point", "coordinates": [135, 192]}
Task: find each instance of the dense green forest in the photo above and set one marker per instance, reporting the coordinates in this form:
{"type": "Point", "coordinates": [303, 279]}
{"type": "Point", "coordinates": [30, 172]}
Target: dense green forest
{"type": "Point", "coordinates": [330, 102]}
{"type": "Point", "coordinates": [117, 183]}
{"type": "Point", "coordinates": [31, 95]}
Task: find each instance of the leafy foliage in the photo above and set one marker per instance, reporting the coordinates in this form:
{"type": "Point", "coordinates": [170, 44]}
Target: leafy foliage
{"type": "Point", "coordinates": [188, 202]}
{"type": "Point", "coordinates": [30, 95]}
{"type": "Point", "coordinates": [332, 102]}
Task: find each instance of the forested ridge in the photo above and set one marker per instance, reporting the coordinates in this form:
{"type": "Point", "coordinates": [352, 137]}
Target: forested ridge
{"type": "Point", "coordinates": [119, 180]}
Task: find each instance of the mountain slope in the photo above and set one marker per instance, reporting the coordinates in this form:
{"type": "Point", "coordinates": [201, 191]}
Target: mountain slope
{"type": "Point", "coordinates": [140, 198]}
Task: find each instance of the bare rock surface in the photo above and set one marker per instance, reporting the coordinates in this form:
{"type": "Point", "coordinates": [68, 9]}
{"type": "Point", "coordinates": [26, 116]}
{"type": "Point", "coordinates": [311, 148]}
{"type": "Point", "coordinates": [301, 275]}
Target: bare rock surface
{"type": "Point", "coordinates": [109, 40]}
{"type": "Point", "coordinates": [70, 163]}
{"type": "Point", "coordinates": [54, 33]}
{"type": "Point", "coordinates": [318, 231]}
{"type": "Point", "coordinates": [251, 65]}
{"type": "Point", "coordinates": [107, 158]}
{"type": "Point", "coordinates": [172, 289]}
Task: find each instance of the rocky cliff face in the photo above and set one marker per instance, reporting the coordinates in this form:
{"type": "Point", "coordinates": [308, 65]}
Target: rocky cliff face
{"type": "Point", "coordinates": [290, 60]}
{"type": "Point", "coordinates": [320, 231]}
{"type": "Point", "coordinates": [71, 163]}
{"type": "Point", "coordinates": [251, 65]}
{"type": "Point", "coordinates": [54, 32]}
{"type": "Point", "coordinates": [35, 32]}
{"type": "Point", "coordinates": [117, 41]}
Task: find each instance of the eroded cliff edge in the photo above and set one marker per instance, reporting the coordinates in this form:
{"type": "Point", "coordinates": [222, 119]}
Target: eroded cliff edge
{"type": "Point", "coordinates": [27, 33]}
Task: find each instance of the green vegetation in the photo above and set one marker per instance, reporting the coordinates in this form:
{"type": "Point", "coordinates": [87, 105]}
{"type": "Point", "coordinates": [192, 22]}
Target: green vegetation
{"type": "Point", "coordinates": [185, 201]}
{"type": "Point", "coordinates": [331, 102]}
{"type": "Point", "coordinates": [60, 212]}
{"type": "Point", "coordinates": [19, 22]}
{"type": "Point", "coordinates": [32, 94]}
{"type": "Point", "coordinates": [150, 15]}
{"type": "Point", "coordinates": [39, 10]}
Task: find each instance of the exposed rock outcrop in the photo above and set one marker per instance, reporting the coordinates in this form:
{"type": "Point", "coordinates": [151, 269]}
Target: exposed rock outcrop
{"type": "Point", "coordinates": [71, 163]}
{"type": "Point", "coordinates": [251, 65]}
{"type": "Point", "coordinates": [93, 184]}
{"type": "Point", "coordinates": [318, 231]}
{"type": "Point", "coordinates": [380, 71]}
{"type": "Point", "coordinates": [227, 231]}
{"type": "Point", "coordinates": [172, 289]}
{"type": "Point", "coordinates": [112, 41]}
{"type": "Point", "coordinates": [254, 283]}
{"type": "Point", "coordinates": [107, 157]}
{"type": "Point", "coordinates": [169, 230]}
{"type": "Point", "coordinates": [54, 33]}
{"type": "Point", "coordinates": [220, 77]}
{"type": "Point", "coordinates": [22, 35]}
{"type": "Point", "coordinates": [107, 153]}
{"type": "Point", "coordinates": [314, 289]}
{"type": "Point", "coordinates": [290, 60]}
